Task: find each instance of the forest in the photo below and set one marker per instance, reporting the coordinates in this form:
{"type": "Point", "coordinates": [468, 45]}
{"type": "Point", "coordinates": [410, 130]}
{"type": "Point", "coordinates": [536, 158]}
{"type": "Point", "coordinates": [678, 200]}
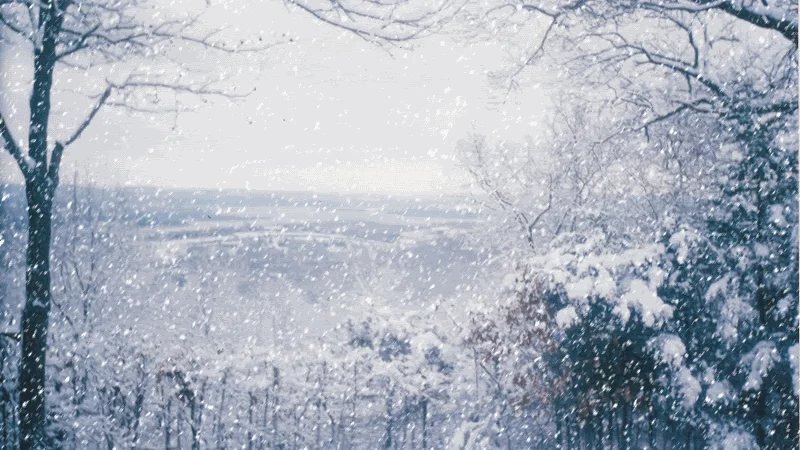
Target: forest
{"type": "Point", "coordinates": [618, 272]}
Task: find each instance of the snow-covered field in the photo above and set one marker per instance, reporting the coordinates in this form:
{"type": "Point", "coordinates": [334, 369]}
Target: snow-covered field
{"type": "Point", "coordinates": [283, 270]}
{"type": "Point", "coordinates": [214, 284]}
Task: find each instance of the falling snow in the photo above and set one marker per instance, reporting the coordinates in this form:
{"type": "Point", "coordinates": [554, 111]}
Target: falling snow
{"type": "Point", "coordinates": [399, 224]}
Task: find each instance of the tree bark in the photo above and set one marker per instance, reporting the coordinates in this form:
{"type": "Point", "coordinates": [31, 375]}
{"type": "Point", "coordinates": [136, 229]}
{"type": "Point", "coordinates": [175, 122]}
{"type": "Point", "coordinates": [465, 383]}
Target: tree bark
{"type": "Point", "coordinates": [39, 188]}
{"type": "Point", "coordinates": [425, 423]}
{"type": "Point", "coordinates": [250, 422]}
{"type": "Point", "coordinates": [389, 419]}
{"type": "Point", "coordinates": [35, 318]}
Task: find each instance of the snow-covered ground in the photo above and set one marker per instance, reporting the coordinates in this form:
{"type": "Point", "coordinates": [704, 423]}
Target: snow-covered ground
{"type": "Point", "coordinates": [283, 270]}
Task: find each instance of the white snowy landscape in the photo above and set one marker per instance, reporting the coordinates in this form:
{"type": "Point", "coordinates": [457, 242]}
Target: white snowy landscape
{"type": "Point", "coordinates": [229, 287]}
{"type": "Point", "coordinates": [399, 224]}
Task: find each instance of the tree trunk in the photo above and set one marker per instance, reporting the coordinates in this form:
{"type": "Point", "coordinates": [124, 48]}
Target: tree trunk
{"type": "Point", "coordinates": [652, 430]}
{"type": "Point", "coordinates": [264, 419]}
{"type": "Point", "coordinates": [5, 396]}
{"type": "Point", "coordinates": [425, 423]}
{"type": "Point", "coordinates": [250, 422]}
{"type": "Point", "coordinates": [626, 428]}
{"type": "Point", "coordinates": [39, 187]}
{"type": "Point", "coordinates": [276, 380]}
{"type": "Point", "coordinates": [168, 425]}
{"type": "Point", "coordinates": [220, 435]}
{"type": "Point", "coordinates": [35, 318]}
{"type": "Point", "coordinates": [389, 419]}
{"type": "Point", "coordinates": [138, 408]}
{"type": "Point", "coordinates": [557, 439]}
{"type": "Point", "coordinates": [572, 432]}
{"type": "Point", "coordinates": [195, 417]}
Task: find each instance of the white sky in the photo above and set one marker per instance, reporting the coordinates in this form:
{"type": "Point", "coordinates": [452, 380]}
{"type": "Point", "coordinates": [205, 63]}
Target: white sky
{"type": "Point", "coordinates": [330, 113]}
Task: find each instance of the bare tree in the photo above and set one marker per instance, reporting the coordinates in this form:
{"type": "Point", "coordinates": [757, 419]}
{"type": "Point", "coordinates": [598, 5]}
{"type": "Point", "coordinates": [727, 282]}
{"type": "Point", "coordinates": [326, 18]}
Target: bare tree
{"type": "Point", "coordinates": [82, 34]}
{"type": "Point", "coordinates": [103, 33]}
{"type": "Point", "coordinates": [658, 83]}
{"type": "Point", "coordinates": [662, 60]}
{"type": "Point", "coordinates": [553, 183]}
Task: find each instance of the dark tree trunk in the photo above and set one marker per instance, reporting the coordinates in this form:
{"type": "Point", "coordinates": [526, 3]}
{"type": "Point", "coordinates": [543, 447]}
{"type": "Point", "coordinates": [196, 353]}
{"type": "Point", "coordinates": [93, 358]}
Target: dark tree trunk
{"type": "Point", "coordinates": [168, 425]}
{"type": "Point", "coordinates": [425, 423]}
{"type": "Point", "coordinates": [39, 187]}
{"type": "Point", "coordinates": [389, 419]}
{"type": "Point", "coordinates": [557, 439]}
{"type": "Point", "coordinates": [138, 408]}
{"type": "Point", "coordinates": [35, 319]}
{"type": "Point", "coordinates": [276, 384]}
{"type": "Point", "coordinates": [250, 422]}
{"type": "Point", "coordinates": [220, 435]}
{"type": "Point", "coordinates": [264, 419]}
{"type": "Point", "coordinates": [195, 416]}
{"type": "Point", "coordinates": [5, 400]}
{"type": "Point", "coordinates": [626, 428]}
{"type": "Point", "coordinates": [573, 441]}
{"type": "Point", "coordinates": [652, 430]}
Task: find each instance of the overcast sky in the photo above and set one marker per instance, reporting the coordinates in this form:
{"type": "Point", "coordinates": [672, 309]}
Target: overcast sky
{"type": "Point", "coordinates": [330, 113]}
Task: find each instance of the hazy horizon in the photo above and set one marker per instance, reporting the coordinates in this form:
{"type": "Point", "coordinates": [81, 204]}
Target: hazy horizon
{"type": "Point", "coordinates": [328, 112]}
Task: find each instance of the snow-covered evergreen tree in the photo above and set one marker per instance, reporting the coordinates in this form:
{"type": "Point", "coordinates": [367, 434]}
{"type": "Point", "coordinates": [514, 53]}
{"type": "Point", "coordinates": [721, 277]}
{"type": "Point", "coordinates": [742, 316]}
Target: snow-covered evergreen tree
{"type": "Point", "coordinates": [734, 285]}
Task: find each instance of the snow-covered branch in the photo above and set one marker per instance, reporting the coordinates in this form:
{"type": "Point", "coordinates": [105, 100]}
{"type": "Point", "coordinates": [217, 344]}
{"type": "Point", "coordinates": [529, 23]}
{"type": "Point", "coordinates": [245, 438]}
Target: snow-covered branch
{"type": "Point", "coordinates": [12, 147]}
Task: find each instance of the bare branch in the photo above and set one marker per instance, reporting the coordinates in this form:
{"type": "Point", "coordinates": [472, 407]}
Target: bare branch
{"type": "Point", "coordinates": [532, 225]}
{"type": "Point", "coordinates": [58, 150]}
{"type": "Point", "coordinates": [15, 335]}
{"type": "Point", "coordinates": [536, 53]}
{"type": "Point", "coordinates": [663, 117]}
{"type": "Point", "coordinates": [379, 21]}
{"type": "Point", "coordinates": [760, 15]}
{"type": "Point", "coordinates": [17, 29]}
{"type": "Point", "coordinates": [694, 6]}
{"type": "Point", "coordinates": [559, 11]}
{"type": "Point", "coordinates": [79, 43]}
{"type": "Point", "coordinates": [619, 42]}
{"type": "Point", "coordinates": [95, 109]}
{"type": "Point", "coordinates": [203, 89]}
{"type": "Point", "coordinates": [13, 148]}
